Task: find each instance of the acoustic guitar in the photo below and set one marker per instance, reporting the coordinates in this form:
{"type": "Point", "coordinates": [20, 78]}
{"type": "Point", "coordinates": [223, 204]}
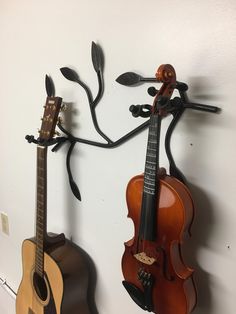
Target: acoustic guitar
{"type": "Point", "coordinates": [55, 273]}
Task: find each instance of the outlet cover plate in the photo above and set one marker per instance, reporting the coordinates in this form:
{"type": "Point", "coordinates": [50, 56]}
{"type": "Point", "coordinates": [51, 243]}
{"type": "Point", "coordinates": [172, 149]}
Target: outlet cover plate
{"type": "Point", "coordinates": [5, 223]}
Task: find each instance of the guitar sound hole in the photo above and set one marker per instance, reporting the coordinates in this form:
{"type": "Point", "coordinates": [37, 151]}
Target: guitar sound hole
{"type": "Point", "coordinates": [40, 287]}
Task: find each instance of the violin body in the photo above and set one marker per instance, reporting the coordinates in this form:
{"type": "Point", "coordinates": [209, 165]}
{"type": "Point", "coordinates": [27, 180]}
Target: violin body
{"type": "Point", "coordinates": [156, 277]}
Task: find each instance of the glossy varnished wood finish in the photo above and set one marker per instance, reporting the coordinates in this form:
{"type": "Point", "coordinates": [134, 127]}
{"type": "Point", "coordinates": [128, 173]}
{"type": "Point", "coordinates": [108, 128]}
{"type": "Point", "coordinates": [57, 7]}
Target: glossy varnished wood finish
{"type": "Point", "coordinates": [55, 271]}
{"type": "Point", "coordinates": [175, 214]}
{"type": "Point", "coordinates": [67, 274]}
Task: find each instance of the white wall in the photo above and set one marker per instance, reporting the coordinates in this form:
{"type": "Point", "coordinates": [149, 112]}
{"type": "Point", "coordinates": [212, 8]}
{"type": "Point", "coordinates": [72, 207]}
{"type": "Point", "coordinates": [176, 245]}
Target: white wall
{"type": "Point", "coordinates": [7, 301]}
{"type": "Point", "coordinates": [198, 39]}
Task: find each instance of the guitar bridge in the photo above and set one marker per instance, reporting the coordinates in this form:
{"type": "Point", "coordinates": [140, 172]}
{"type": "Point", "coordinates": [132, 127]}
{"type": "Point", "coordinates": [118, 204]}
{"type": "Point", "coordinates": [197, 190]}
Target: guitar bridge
{"type": "Point", "coordinates": [143, 258]}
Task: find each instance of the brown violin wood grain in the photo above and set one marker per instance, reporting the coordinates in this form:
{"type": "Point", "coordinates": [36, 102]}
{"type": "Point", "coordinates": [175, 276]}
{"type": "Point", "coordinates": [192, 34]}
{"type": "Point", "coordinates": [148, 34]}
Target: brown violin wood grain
{"type": "Point", "coordinates": [175, 213]}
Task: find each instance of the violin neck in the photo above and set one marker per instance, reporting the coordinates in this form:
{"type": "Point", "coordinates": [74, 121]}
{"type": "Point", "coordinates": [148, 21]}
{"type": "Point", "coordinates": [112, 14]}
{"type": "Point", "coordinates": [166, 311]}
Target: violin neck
{"type": "Point", "coordinates": [152, 156]}
{"type": "Point", "coordinates": [148, 228]}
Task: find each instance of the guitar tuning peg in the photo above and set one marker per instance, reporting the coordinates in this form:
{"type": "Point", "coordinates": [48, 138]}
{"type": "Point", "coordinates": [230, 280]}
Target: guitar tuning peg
{"type": "Point", "coordinates": [60, 121]}
{"type": "Point", "coordinates": [64, 107]}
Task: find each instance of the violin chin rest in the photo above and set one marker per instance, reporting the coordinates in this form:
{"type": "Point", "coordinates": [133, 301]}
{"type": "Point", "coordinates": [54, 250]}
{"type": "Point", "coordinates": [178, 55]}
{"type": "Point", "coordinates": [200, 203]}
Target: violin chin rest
{"type": "Point", "coordinates": [135, 293]}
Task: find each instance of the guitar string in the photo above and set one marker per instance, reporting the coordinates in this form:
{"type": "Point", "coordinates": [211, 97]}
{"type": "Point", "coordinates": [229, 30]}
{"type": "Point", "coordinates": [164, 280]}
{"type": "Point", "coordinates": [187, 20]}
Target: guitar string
{"type": "Point", "coordinates": [41, 167]}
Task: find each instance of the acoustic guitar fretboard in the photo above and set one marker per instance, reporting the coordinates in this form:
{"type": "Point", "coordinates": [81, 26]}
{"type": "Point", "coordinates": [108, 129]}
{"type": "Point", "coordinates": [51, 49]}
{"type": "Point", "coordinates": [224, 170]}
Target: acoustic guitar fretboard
{"type": "Point", "coordinates": [41, 208]}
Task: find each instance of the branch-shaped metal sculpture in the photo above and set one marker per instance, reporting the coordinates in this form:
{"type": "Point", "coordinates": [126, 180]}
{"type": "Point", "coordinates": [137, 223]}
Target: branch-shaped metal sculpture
{"type": "Point", "coordinates": [71, 75]}
{"type": "Point", "coordinates": [175, 107]}
{"type": "Point", "coordinates": [131, 78]}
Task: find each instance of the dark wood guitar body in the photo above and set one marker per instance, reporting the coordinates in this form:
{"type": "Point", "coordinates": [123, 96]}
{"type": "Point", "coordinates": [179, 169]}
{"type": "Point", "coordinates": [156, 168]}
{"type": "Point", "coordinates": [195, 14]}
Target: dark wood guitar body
{"type": "Point", "coordinates": [168, 279]}
{"type": "Point", "coordinates": [66, 274]}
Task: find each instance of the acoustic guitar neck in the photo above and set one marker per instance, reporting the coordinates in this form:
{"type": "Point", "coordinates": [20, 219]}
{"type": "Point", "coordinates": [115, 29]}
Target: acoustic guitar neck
{"type": "Point", "coordinates": [47, 131]}
{"type": "Point", "coordinates": [41, 209]}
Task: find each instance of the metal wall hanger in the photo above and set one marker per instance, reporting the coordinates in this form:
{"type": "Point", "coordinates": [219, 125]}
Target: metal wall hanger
{"type": "Point", "coordinates": [71, 75]}
{"type": "Point", "coordinates": [176, 107]}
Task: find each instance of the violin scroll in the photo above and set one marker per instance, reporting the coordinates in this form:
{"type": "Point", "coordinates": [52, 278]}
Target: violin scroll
{"type": "Point", "coordinates": [166, 74]}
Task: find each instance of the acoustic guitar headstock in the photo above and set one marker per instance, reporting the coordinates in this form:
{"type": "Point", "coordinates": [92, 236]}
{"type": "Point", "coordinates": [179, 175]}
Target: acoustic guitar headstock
{"type": "Point", "coordinates": [50, 118]}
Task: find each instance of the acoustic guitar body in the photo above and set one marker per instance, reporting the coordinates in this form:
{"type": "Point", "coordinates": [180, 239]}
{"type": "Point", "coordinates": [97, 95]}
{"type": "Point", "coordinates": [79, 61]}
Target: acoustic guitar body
{"type": "Point", "coordinates": [64, 287]}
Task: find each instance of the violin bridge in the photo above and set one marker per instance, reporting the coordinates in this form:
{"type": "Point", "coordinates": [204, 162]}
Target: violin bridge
{"type": "Point", "coordinates": [143, 258]}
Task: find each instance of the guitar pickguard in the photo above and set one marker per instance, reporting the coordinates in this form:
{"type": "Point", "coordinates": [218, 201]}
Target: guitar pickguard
{"type": "Point", "coordinates": [50, 308]}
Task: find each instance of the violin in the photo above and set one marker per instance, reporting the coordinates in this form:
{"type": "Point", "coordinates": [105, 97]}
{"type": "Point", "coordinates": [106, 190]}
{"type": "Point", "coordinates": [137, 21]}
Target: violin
{"type": "Point", "coordinates": [162, 210]}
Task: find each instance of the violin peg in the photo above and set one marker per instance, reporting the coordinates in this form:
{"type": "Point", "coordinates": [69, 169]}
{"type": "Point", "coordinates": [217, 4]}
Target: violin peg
{"type": "Point", "coordinates": [152, 91]}
{"type": "Point", "coordinates": [161, 172]}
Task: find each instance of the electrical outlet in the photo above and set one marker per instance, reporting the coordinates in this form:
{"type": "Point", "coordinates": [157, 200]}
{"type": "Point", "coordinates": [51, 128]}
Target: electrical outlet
{"type": "Point", "coordinates": [5, 223]}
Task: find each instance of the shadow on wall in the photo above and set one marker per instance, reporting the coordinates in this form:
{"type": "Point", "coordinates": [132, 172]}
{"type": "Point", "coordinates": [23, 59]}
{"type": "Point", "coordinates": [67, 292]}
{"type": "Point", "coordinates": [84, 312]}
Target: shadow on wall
{"type": "Point", "coordinates": [202, 87]}
{"type": "Point", "coordinates": [72, 210]}
{"type": "Point", "coordinates": [204, 220]}
{"type": "Point", "coordinates": [201, 230]}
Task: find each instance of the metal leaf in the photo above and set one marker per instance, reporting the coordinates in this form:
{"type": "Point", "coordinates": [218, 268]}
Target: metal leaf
{"type": "Point", "coordinates": [50, 89]}
{"type": "Point", "coordinates": [75, 190]}
{"type": "Point", "coordinates": [129, 79]}
{"type": "Point", "coordinates": [97, 57]}
{"type": "Point", "coordinates": [69, 74]}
